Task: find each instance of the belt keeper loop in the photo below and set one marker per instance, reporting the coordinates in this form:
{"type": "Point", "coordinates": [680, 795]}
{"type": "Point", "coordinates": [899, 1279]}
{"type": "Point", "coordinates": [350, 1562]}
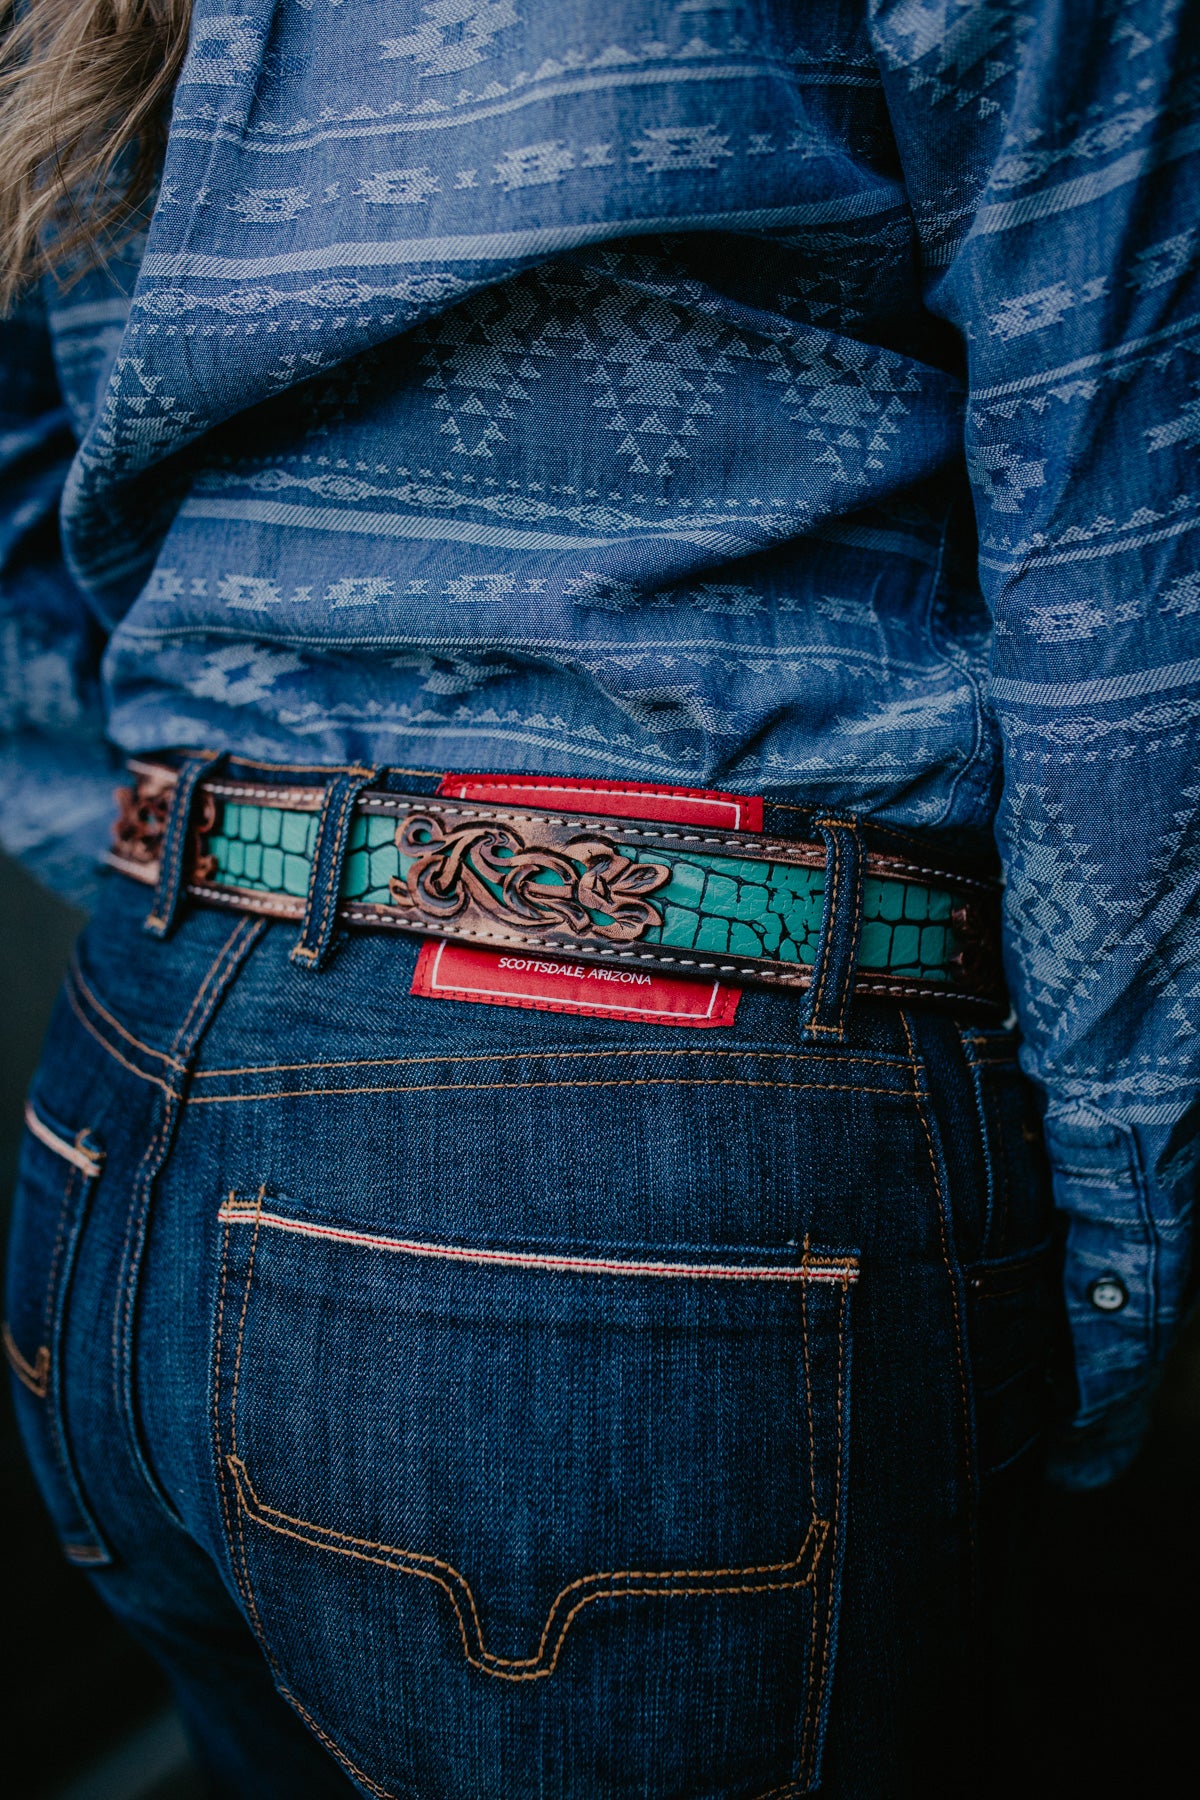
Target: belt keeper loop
{"type": "Point", "coordinates": [832, 985]}
{"type": "Point", "coordinates": [160, 921]}
{"type": "Point", "coordinates": [312, 947]}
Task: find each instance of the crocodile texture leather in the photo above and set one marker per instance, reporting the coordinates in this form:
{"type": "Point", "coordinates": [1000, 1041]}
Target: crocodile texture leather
{"type": "Point", "coordinates": [688, 900]}
{"type": "Point", "coordinates": [265, 848]}
{"type": "Point", "coordinates": [718, 904]}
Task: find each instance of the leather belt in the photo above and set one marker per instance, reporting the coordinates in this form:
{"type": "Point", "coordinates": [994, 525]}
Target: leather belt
{"type": "Point", "coordinates": [743, 907]}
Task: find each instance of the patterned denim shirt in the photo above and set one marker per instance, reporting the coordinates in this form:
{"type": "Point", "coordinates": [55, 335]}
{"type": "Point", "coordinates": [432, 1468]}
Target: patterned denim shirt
{"type": "Point", "coordinates": [796, 398]}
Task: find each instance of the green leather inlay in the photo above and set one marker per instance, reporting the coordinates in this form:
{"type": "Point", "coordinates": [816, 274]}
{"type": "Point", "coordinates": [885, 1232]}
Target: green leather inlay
{"type": "Point", "coordinates": [264, 848]}
{"type": "Point", "coordinates": [732, 908]}
{"type": "Point", "coordinates": [717, 905]}
{"type": "Point", "coordinates": [373, 860]}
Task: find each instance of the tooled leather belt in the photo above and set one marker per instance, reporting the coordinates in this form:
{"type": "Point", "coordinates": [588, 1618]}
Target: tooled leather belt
{"type": "Point", "coordinates": [737, 906]}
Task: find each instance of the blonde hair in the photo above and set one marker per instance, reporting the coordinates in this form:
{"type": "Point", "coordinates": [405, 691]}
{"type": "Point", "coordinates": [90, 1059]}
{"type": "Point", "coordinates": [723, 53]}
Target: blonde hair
{"type": "Point", "coordinates": [84, 91]}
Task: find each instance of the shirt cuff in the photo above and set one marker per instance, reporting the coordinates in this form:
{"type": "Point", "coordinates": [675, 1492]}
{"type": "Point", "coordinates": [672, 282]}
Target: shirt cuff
{"type": "Point", "coordinates": [1090, 1456]}
{"type": "Point", "coordinates": [1124, 1272]}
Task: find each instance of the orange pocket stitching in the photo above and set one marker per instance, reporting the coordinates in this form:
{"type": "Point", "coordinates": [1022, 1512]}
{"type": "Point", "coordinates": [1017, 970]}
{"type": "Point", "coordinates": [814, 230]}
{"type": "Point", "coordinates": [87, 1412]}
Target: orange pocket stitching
{"type": "Point", "coordinates": [455, 1585]}
{"type": "Point", "coordinates": [513, 1671]}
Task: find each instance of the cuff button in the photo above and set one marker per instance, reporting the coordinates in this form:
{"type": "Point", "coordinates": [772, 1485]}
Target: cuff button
{"type": "Point", "coordinates": [1109, 1294]}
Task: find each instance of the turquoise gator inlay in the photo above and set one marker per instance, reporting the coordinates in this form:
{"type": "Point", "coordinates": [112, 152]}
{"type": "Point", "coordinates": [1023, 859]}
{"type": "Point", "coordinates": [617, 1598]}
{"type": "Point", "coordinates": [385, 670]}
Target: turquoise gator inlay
{"type": "Point", "coordinates": [728, 907]}
{"type": "Point", "coordinates": [716, 904]}
{"type": "Point", "coordinates": [264, 848]}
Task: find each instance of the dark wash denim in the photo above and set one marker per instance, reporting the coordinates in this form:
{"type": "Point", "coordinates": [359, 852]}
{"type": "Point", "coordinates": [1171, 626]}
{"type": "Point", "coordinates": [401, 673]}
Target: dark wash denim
{"type": "Point", "coordinates": [796, 399]}
{"type": "Point", "coordinates": [496, 1385]}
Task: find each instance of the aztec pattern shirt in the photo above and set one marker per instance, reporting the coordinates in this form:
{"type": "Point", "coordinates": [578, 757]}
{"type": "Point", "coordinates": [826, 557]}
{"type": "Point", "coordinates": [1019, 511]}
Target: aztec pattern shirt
{"type": "Point", "coordinates": [800, 399]}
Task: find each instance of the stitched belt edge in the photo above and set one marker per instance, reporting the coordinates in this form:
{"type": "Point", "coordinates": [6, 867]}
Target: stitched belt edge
{"type": "Point", "coordinates": [974, 979]}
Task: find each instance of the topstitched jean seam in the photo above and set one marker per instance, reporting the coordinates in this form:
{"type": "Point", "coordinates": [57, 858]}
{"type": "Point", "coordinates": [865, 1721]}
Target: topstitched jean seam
{"type": "Point", "coordinates": [807, 1757]}
{"type": "Point", "coordinates": [141, 1195]}
{"type": "Point", "coordinates": [808, 1395]}
{"type": "Point", "coordinates": [75, 974]}
{"type": "Point", "coordinates": [812, 1484]}
{"type": "Point", "coordinates": [123, 1293]}
{"type": "Point", "coordinates": [246, 930]}
{"type": "Point", "coordinates": [238, 1556]}
{"type": "Point", "coordinates": [47, 1367]}
{"type": "Point", "coordinates": [219, 1471]}
{"type": "Point", "coordinates": [233, 1443]}
{"type": "Point", "coordinates": [95, 1032]}
{"type": "Point", "coordinates": [139, 1202]}
{"type": "Point", "coordinates": [956, 1300]}
{"type": "Point", "coordinates": [64, 1204]}
{"type": "Point", "coordinates": [336, 1750]}
{"type": "Point", "coordinates": [70, 1224]}
{"type": "Point", "coordinates": [744, 1052]}
{"type": "Point", "coordinates": [526, 1086]}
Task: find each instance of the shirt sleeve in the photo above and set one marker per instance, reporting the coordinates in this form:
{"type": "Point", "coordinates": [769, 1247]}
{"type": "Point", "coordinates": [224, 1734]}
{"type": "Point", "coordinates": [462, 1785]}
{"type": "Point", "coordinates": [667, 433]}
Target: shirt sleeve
{"type": "Point", "coordinates": [56, 769]}
{"type": "Point", "coordinates": [1050, 152]}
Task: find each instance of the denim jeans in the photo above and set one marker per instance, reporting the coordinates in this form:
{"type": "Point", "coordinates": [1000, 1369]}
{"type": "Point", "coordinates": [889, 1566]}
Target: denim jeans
{"type": "Point", "coordinates": [541, 1405]}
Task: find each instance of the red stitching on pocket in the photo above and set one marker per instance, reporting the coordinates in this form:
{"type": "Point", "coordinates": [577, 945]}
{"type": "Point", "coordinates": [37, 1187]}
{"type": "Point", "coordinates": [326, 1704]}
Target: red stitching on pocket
{"type": "Point", "coordinates": [843, 1269]}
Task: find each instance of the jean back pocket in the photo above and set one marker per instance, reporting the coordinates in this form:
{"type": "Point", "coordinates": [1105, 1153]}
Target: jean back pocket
{"type": "Point", "coordinates": [57, 1172]}
{"type": "Point", "coordinates": [530, 1518]}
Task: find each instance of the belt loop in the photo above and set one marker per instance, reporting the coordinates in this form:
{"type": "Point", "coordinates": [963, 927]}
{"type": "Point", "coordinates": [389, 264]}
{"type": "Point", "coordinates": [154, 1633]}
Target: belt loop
{"type": "Point", "coordinates": [311, 949]}
{"type": "Point", "coordinates": [841, 924]}
{"type": "Point", "coordinates": [176, 842]}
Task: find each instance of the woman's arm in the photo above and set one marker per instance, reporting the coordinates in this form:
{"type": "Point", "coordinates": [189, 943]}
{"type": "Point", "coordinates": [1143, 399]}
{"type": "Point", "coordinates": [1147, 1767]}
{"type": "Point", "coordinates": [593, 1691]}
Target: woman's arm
{"type": "Point", "coordinates": [1051, 153]}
